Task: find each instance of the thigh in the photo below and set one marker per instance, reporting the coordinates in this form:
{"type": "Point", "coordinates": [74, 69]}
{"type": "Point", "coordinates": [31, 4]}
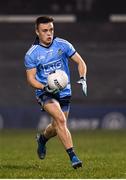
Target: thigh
{"type": "Point", "coordinates": [53, 108]}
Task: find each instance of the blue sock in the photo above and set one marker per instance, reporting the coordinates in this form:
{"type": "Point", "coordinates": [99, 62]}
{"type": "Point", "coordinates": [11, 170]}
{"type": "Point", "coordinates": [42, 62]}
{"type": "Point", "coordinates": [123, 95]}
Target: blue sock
{"type": "Point", "coordinates": [43, 139]}
{"type": "Point", "coordinates": [71, 153]}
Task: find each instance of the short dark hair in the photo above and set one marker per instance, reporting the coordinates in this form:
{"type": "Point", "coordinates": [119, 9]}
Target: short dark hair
{"type": "Point", "coordinates": [43, 19]}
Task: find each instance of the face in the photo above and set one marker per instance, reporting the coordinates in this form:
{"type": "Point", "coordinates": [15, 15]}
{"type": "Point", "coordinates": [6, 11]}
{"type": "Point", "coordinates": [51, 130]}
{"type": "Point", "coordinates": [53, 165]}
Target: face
{"type": "Point", "coordinates": [45, 33]}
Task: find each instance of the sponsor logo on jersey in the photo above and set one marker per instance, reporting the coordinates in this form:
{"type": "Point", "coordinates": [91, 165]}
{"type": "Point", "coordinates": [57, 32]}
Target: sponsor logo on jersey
{"type": "Point", "coordinates": [52, 66]}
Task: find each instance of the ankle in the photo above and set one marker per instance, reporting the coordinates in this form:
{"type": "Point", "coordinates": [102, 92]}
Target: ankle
{"type": "Point", "coordinates": [71, 153]}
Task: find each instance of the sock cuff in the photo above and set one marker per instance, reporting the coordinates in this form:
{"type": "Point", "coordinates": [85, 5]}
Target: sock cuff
{"type": "Point", "coordinates": [43, 139]}
{"type": "Point", "coordinates": [70, 149]}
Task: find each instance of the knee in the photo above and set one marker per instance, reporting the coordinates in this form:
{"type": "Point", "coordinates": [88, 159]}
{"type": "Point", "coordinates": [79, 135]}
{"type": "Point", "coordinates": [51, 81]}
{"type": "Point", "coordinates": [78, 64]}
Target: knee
{"type": "Point", "coordinates": [61, 121]}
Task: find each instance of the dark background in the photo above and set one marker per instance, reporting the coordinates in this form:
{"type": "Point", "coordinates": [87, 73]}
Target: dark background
{"type": "Point", "coordinates": [99, 41]}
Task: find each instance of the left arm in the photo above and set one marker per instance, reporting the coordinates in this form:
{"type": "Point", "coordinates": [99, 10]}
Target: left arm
{"type": "Point", "coordinates": [82, 68]}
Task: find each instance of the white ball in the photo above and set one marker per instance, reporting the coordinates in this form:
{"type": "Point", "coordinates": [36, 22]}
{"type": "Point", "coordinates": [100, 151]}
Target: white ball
{"type": "Point", "coordinates": [57, 80]}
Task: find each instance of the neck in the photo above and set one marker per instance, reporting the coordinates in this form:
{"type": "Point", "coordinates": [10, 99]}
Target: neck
{"type": "Point", "coordinates": [43, 44]}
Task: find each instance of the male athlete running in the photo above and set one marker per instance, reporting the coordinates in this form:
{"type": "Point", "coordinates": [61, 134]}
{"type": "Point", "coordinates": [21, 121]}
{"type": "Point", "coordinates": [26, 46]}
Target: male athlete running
{"type": "Point", "coordinates": [47, 54]}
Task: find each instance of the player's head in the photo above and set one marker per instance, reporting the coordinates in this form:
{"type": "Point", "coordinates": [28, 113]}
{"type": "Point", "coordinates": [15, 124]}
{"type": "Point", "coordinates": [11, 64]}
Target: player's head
{"type": "Point", "coordinates": [44, 29]}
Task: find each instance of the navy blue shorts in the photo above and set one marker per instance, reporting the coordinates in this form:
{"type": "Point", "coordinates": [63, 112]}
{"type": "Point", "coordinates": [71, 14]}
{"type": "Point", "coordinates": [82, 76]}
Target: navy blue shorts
{"type": "Point", "coordinates": [64, 102]}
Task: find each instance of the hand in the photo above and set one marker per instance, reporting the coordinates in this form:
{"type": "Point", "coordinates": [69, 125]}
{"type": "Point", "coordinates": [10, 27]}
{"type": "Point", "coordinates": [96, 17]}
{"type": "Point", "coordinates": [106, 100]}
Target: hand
{"type": "Point", "coordinates": [52, 91]}
{"type": "Point", "coordinates": [82, 81]}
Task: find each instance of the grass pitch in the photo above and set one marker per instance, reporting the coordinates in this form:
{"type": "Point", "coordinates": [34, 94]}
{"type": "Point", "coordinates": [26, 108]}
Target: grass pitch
{"type": "Point", "coordinates": [103, 154]}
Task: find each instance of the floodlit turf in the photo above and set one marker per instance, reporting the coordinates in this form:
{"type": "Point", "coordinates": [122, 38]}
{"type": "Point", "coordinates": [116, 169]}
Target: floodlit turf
{"type": "Point", "coordinates": [103, 154]}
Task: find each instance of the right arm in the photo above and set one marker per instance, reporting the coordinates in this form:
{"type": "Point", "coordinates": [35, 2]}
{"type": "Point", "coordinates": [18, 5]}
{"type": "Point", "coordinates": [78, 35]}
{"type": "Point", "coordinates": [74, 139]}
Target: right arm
{"type": "Point", "coordinates": [30, 73]}
{"type": "Point", "coordinates": [36, 84]}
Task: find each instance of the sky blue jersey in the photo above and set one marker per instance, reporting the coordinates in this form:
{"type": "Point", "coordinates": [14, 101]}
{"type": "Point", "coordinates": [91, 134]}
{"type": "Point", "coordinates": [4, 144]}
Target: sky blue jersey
{"type": "Point", "coordinates": [48, 59]}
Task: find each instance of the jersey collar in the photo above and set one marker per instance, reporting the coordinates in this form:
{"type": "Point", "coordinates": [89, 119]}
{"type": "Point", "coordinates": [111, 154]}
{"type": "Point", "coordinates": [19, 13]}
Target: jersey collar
{"type": "Point", "coordinates": [36, 42]}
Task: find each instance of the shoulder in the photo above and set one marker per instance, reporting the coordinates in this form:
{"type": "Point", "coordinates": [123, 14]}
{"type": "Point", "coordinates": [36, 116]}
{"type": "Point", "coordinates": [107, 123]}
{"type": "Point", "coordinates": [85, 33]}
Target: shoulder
{"type": "Point", "coordinates": [63, 43]}
{"type": "Point", "coordinates": [32, 50]}
{"type": "Point", "coordinates": [30, 57]}
{"type": "Point", "coordinates": [61, 40]}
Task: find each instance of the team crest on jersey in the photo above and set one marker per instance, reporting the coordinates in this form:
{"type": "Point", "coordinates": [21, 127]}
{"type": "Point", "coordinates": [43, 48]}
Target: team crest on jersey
{"type": "Point", "coordinates": [60, 51]}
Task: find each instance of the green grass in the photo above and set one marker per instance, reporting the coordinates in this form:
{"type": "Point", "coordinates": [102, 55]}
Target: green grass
{"type": "Point", "coordinates": [102, 152]}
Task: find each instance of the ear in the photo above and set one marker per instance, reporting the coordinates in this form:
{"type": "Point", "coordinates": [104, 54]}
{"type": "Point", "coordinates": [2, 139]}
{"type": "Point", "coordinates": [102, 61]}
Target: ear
{"type": "Point", "coordinates": [36, 30]}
